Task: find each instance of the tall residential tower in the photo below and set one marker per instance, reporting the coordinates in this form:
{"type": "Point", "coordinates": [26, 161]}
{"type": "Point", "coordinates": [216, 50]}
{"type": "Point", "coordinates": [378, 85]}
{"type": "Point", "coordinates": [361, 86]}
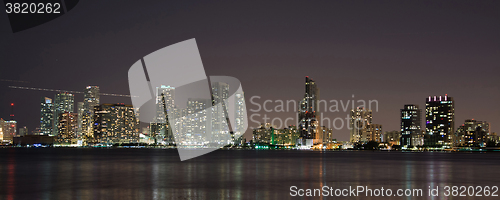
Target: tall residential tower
{"type": "Point", "coordinates": [309, 111]}
{"type": "Point", "coordinates": [439, 121]}
{"type": "Point", "coordinates": [410, 126]}
{"type": "Point", "coordinates": [63, 102]}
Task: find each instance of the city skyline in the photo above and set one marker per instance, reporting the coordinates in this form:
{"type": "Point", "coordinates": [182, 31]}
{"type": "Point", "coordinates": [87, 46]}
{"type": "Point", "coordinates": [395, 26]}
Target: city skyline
{"type": "Point", "coordinates": [436, 106]}
{"type": "Point", "coordinates": [349, 48]}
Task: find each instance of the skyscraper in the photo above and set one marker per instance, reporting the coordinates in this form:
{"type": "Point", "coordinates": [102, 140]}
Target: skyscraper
{"type": "Point", "coordinates": [373, 133]}
{"type": "Point", "coordinates": [63, 102]}
{"type": "Point", "coordinates": [198, 122]}
{"type": "Point", "coordinates": [67, 127]}
{"type": "Point", "coordinates": [46, 116]}
{"type": "Point", "coordinates": [309, 111]}
{"type": "Point", "coordinates": [9, 130]}
{"type": "Point", "coordinates": [240, 114]}
{"type": "Point", "coordinates": [360, 119]}
{"type": "Point", "coordinates": [220, 128]}
{"type": "Point", "coordinates": [90, 100]}
{"type": "Point", "coordinates": [79, 112]}
{"type": "Point", "coordinates": [115, 123]}
{"type": "Point", "coordinates": [410, 126]}
{"type": "Point", "coordinates": [160, 127]}
{"type": "Point", "coordinates": [440, 121]}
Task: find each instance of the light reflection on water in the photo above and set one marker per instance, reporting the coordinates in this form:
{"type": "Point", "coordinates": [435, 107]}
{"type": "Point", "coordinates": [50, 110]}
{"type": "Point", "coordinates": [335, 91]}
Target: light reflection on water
{"type": "Point", "coordinates": [158, 174]}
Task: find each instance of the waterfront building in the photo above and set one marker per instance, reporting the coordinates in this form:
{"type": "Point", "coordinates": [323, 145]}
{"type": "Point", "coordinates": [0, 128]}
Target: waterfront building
{"type": "Point", "coordinates": [220, 127]}
{"type": "Point", "coordinates": [373, 133]}
{"type": "Point", "coordinates": [9, 129]}
{"type": "Point", "coordinates": [91, 99]}
{"type": "Point", "coordinates": [309, 112]}
{"type": "Point", "coordinates": [46, 116]}
{"type": "Point", "coordinates": [63, 102]}
{"type": "Point", "coordinates": [410, 125]}
{"type": "Point", "coordinates": [79, 129]}
{"type": "Point", "coordinates": [440, 121]}
{"type": "Point", "coordinates": [358, 125]}
{"type": "Point", "coordinates": [67, 127]}
{"type": "Point", "coordinates": [472, 133]}
{"type": "Point", "coordinates": [115, 123]}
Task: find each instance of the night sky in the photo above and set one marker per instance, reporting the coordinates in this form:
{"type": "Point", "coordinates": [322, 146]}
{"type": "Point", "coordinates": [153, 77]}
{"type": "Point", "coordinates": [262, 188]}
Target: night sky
{"type": "Point", "coordinates": [396, 52]}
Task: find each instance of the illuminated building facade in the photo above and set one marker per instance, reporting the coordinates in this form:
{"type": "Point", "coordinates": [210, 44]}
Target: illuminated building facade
{"type": "Point", "coordinates": [46, 116]}
{"type": "Point", "coordinates": [373, 133]}
{"type": "Point", "coordinates": [263, 134]}
{"type": "Point", "coordinates": [325, 135]}
{"type": "Point", "coordinates": [160, 127]}
{"type": "Point", "coordinates": [267, 134]}
{"type": "Point", "coordinates": [472, 134]}
{"type": "Point", "coordinates": [309, 111]}
{"type": "Point", "coordinates": [286, 136]}
{"type": "Point", "coordinates": [392, 137]}
{"type": "Point", "coordinates": [240, 114]}
{"type": "Point", "coordinates": [63, 102]}
{"type": "Point", "coordinates": [79, 112]}
{"type": "Point", "coordinates": [115, 123]}
{"type": "Point", "coordinates": [9, 129]}
{"type": "Point", "coordinates": [440, 121]}
{"type": "Point", "coordinates": [67, 127]}
{"type": "Point", "coordinates": [90, 100]}
{"type": "Point", "coordinates": [220, 128]}
{"type": "Point", "coordinates": [358, 124]}
{"type": "Point", "coordinates": [410, 125]}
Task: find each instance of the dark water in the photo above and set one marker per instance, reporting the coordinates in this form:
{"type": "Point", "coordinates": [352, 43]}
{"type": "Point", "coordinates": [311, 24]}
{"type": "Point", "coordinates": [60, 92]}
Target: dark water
{"type": "Point", "coordinates": [49, 173]}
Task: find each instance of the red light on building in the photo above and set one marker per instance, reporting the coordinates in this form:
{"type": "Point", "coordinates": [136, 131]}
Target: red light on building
{"type": "Point", "coordinates": [11, 104]}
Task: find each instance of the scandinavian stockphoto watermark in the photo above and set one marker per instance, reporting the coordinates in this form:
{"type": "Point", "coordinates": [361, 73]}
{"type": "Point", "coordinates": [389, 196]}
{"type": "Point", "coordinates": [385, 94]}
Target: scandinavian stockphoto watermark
{"type": "Point", "coordinates": [367, 191]}
{"type": "Point", "coordinates": [170, 89]}
{"type": "Point", "coordinates": [260, 107]}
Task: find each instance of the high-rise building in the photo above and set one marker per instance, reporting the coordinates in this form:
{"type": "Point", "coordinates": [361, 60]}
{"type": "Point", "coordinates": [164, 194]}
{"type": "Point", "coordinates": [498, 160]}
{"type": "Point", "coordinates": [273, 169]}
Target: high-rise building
{"type": "Point", "coordinates": [360, 119]}
{"type": "Point", "coordinates": [325, 135]}
{"type": "Point", "coordinates": [287, 136]}
{"type": "Point", "coordinates": [67, 127]}
{"type": "Point", "coordinates": [115, 123]}
{"type": "Point", "coordinates": [309, 111]}
{"type": "Point", "coordinates": [240, 114]}
{"type": "Point", "coordinates": [440, 121]}
{"type": "Point", "coordinates": [220, 127]}
{"type": "Point", "coordinates": [63, 102]}
{"type": "Point", "coordinates": [9, 130]}
{"type": "Point", "coordinates": [79, 128]}
{"type": "Point", "coordinates": [197, 123]}
{"type": "Point", "coordinates": [264, 134]}
{"type": "Point", "coordinates": [90, 100]}
{"type": "Point", "coordinates": [410, 125]}
{"type": "Point", "coordinates": [165, 102]}
{"type": "Point", "coordinates": [373, 133]}
{"type": "Point", "coordinates": [472, 133]}
{"type": "Point", "coordinates": [46, 116]}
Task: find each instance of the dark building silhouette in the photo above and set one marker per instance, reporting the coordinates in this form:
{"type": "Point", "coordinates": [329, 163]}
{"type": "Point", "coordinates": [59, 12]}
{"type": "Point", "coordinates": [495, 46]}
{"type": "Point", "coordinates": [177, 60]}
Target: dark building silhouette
{"type": "Point", "coordinates": [309, 111]}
